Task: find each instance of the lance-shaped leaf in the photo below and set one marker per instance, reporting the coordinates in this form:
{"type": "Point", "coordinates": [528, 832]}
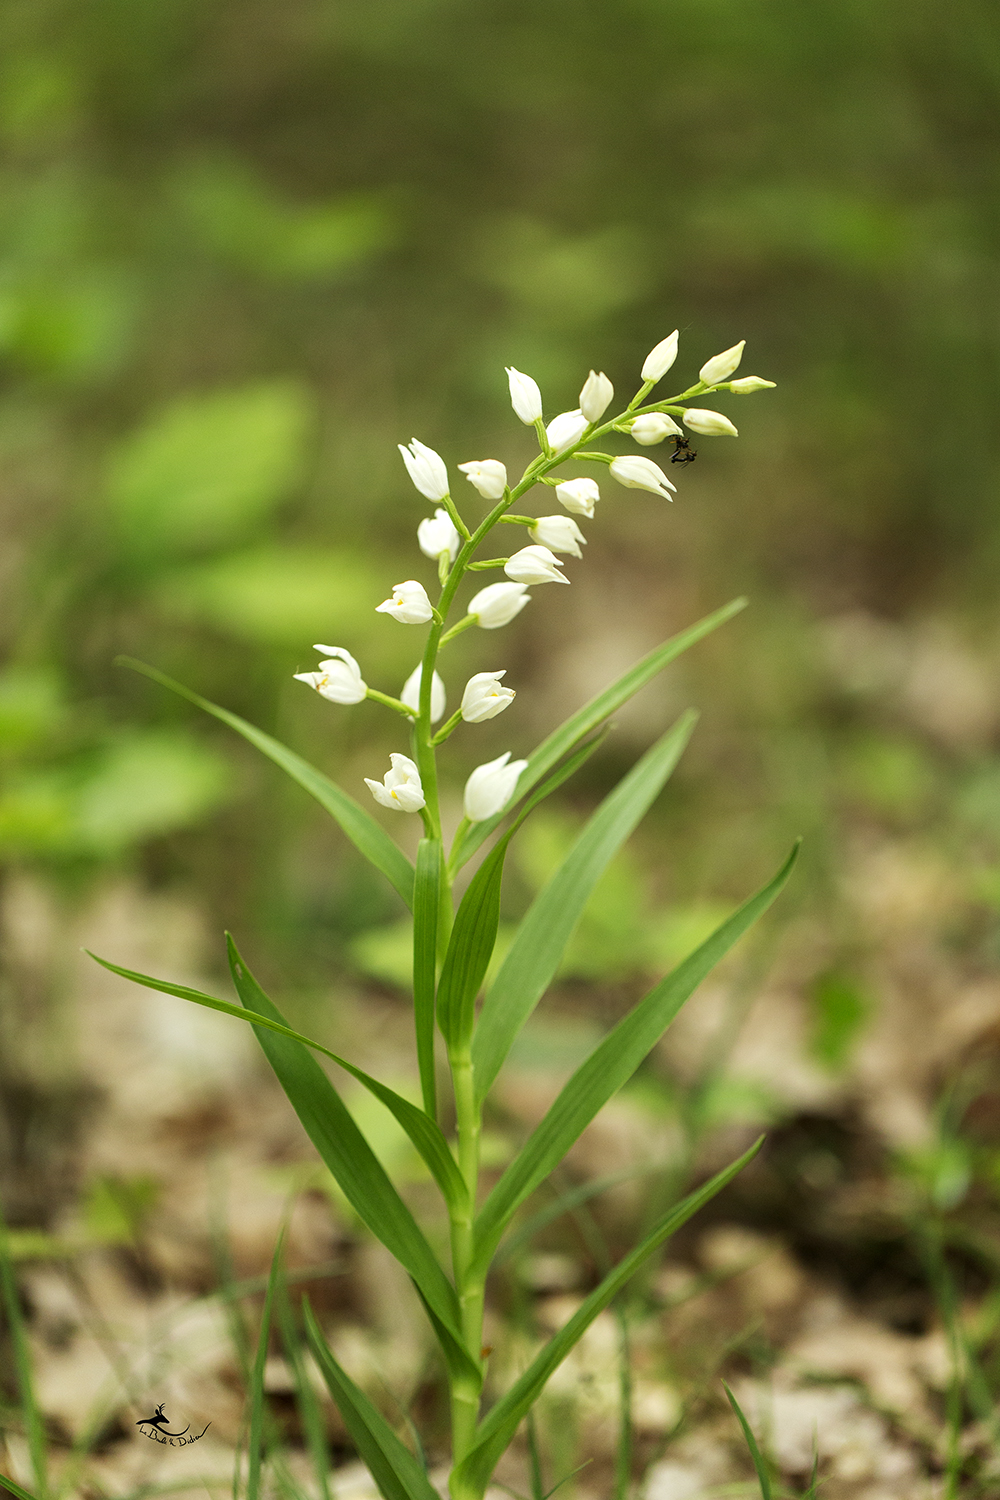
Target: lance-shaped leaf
{"type": "Point", "coordinates": [423, 1132]}
{"type": "Point", "coordinates": [426, 900]}
{"type": "Point", "coordinates": [13, 1488]}
{"type": "Point", "coordinates": [397, 1473]}
{"type": "Point", "coordinates": [496, 1431]}
{"type": "Point", "coordinates": [555, 746]}
{"type": "Point", "coordinates": [536, 951]}
{"type": "Point", "coordinates": [331, 1128]}
{"type": "Point", "coordinates": [359, 826]}
{"type": "Point", "coordinates": [608, 1067]}
{"type": "Point", "coordinates": [474, 934]}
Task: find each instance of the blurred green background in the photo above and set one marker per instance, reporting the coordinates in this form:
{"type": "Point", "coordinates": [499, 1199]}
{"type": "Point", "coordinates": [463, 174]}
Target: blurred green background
{"type": "Point", "coordinates": [246, 249]}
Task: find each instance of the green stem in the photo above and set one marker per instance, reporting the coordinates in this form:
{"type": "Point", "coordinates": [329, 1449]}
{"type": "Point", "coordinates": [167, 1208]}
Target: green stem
{"type": "Point", "coordinates": [447, 727]}
{"type": "Point", "coordinates": [401, 708]}
{"type": "Point", "coordinates": [469, 1286]}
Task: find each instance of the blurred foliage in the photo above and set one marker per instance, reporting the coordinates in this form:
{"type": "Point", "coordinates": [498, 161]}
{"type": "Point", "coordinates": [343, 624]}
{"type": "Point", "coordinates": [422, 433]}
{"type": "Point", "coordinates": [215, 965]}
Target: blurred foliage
{"type": "Point", "coordinates": [247, 248]}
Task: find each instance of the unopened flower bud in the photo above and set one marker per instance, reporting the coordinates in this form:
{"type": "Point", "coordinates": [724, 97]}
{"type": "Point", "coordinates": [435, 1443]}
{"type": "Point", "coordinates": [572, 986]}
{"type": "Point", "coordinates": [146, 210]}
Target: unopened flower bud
{"type": "Point", "coordinates": [411, 693]}
{"type": "Point", "coordinates": [579, 496]}
{"type": "Point", "coordinates": [565, 430]}
{"type": "Point", "coordinates": [400, 788]}
{"type": "Point", "coordinates": [487, 475]}
{"type": "Point", "coordinates": [709, 423]}
{"type": "Point", "coordinates": [485, 697]}
{"type": "Point", "coordinates": [560, 533]}
{"type": "Point", "coordinates": [491, 786]}
{"type": "Point", "coordinates": [595, 397]}
{"type": "Point", "coordinates": [525, 397]}
{"type": "Point", "coordinates": [436, 536]}
{"type": "Point", "coordinates": [659, 360]}
{"type": "Point", "coordinates": [338, 677]}
{"type": "Point", "coordinates": [749, 384]}
{"type": "Point", "coordinates": [721, 366]}
{"type": "Point", "coordinates": [409, 603]}
{"type": "Point", "coordinates": [652, 428]}
{"type": "Point", "coordinates": [426, 468]}
{"type": "Point", "coordinates": [498, 603]}
{"type": "Point", "coordinates": [534, 565]}
{"type": "Point", "coordinates": [637, 473]}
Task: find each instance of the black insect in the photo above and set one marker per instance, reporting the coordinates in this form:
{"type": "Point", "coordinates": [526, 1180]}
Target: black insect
{"type": "Point", "coordinates": [159, 1421]}
{"type": "Point", "coordinates": [683, 452]}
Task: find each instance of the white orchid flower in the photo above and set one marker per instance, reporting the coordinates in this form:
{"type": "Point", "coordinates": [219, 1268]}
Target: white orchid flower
{"type": "Point", "coordinates": [595, 398]}
{"type": "Point", "coordinates": [637, 473]}
{"type": "Point", "coordinates": [498, 603]}
{"type": "Point", "coordinates": [491, 786]}
{"type": "Point", "coordinates": [709, 423]}
{"type": "Point", "coordinates": [400, 788]}
{"type": "Point", "coordinates": [525, 397]}
{"type": "Point", "coordinates": [338, 677]}
{"type": "Point", "coordinates": [437, 536]}
{"type": "Point", "coordinates": [411, 693]}
{"type": "Point", "coordinates": [487, 475]}
{"type": "Point", "coordinates": [653, 427]}
{"type": "Point", "coordinates": [485, 697]}
{"type": "Point", "coordinates": [565, 430]}
{"type": "Point", "coordinates": [658, 360]}
{"type": "Point", "coordinates": [409, 603]}
{"type": "Point", "coordinates": [749, 384]}
{"type": "Point", "coordinates": [579, 496]}
{"type": "Point", "coordinates": [534, 564]}
{"type": "Point", "coordinates": [559, 533]}
{"type": "Point", "coordinates": [426, 468]}
{"type": "Point", "coordinates": [721, 366]}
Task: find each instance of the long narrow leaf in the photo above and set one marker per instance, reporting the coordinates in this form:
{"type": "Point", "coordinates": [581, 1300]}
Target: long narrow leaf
{"type": "Point", "coordinates": [499, 1427]}
{"type": "Point", "coordinates": [536, 951]}
{"type": "Point", "coordinates": [426, 899]}
{"type": "Point", "coordinates": [423, 1132]}
{"type": "Point", "coordinates": [332, 1130]}
{"type": "Point", "coordinates": [763, 1476]}
{"type": "Point", "coordinates": [255, 1447]}
{"type": "Point", "coordinates": [12, 1486]}
{"type": "Point", "coordinates": [477, 921]}
{"type": "Point", "coordinates": [397, 1473]}
{"type": "Point", "coordinates": [470, 949]}
{"type": "Point", "coordinates": [555, 746]}
{"type": "Point", "coordinates": [310, 1415]}
{"type": "Point", "coordinates": [609, 1066]}
{"type": "Point", "coordinates": [360, 827]}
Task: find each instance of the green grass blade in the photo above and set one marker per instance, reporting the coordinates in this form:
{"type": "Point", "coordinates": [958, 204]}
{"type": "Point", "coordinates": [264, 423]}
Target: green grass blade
{"type": "Point", "coordinates": [360, 827]}
{"type": "Point", "coordinates": [34, 1422]}
{"type": "Point", "coordinates": [255, 1452]}
{"type": "Point", "coordinates": [537, 949]}
{"type": "Point", "coordinates": [609, 1066]}
{"type": "Point", "coordinates": [426, 900]}
{"type": "Point", "coordinates": [12, 1486]}
{"type": "Point", "coordinates": [423, 1132]}
{"type": "Point", "coordinates": [555, 746]}
{"type": "Point", "coordinates": [499, 1427]}
{"type": "Point", "coordinates": [763, 1476]}
{"type": "Point", "coordinates": [397, 1473]}
{"type": "Point", "coordinates": [310, 1414]}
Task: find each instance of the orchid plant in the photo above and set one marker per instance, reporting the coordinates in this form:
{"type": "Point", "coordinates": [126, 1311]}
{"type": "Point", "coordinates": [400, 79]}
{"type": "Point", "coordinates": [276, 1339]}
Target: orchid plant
{"type": "Point", "coordinates": [452, 948]}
